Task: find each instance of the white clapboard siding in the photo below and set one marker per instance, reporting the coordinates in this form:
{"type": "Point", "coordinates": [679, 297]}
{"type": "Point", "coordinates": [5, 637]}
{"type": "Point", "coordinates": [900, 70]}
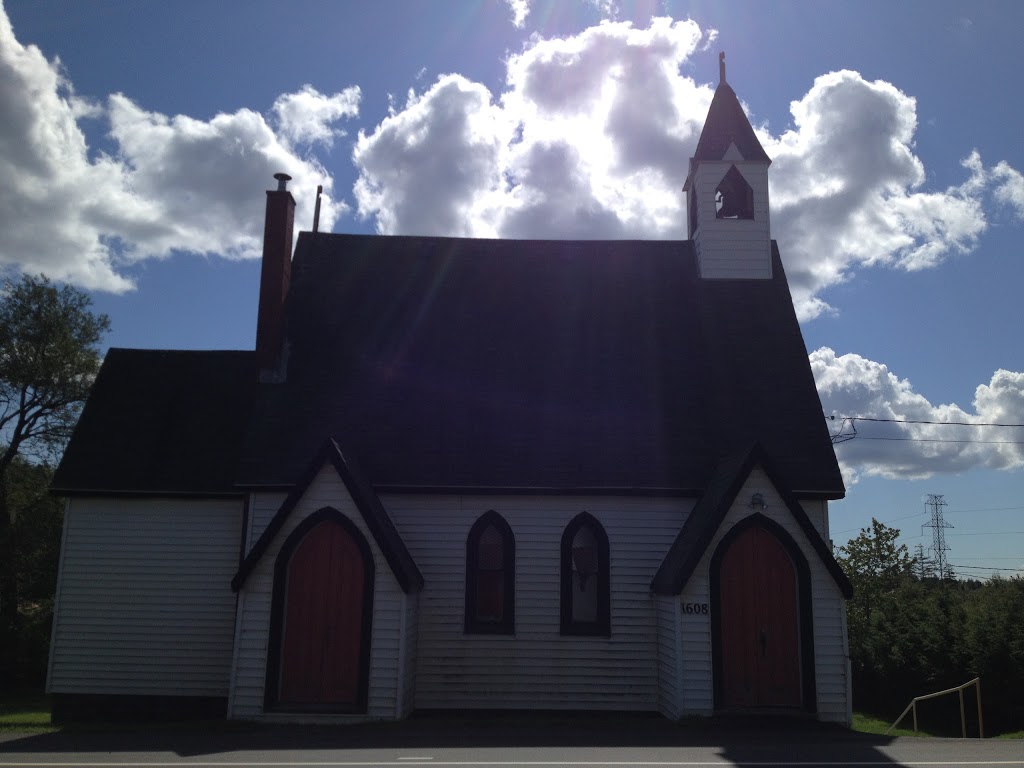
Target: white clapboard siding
{"type": "Point", "coordinates": [408, 655]}
{"type": "Point", "coordinates": [730, 248]}
{"type": "Point", "coordinates": [670, 663]}
{"type": "Point", "coordinates": [828, 608]}
{"type": "Point", "coordinates": [145, 603]}
{"type": "Point", "coordinates": [697, 691]}
{"type": "Point", "coordinates": [817, 513]}
{"type": "Point", "coordinates": [250, 660]}
{"type": "Point", "coordinates": [537, 667]}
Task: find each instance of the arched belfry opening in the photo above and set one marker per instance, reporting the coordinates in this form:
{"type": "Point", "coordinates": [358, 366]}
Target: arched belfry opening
{"type": "Point", "coordinates": [734, 197]}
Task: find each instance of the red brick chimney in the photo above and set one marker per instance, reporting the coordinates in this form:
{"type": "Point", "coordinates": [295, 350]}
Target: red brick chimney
{"type": "Point", "coordinates": [274, 279]}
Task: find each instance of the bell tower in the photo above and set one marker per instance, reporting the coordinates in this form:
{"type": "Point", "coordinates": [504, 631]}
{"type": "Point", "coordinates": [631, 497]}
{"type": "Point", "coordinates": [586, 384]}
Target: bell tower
{"type": "Point", "coordinates": [727, 193]}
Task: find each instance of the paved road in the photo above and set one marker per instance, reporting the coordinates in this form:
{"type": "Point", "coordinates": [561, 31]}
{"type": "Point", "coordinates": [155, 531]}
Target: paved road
{"type": "Point", "coordinates": [538, 743]}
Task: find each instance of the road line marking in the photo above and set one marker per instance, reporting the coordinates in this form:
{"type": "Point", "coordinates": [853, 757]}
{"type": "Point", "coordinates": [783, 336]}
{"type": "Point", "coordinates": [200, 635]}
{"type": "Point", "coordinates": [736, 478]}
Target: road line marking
{"type": "Point", "coordinates": [512, 763]}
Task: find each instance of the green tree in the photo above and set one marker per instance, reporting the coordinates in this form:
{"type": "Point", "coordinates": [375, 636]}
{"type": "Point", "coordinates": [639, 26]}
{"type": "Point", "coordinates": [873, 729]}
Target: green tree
{"type": "Point", "coordinates": [875, 564]}
{"type": "Point", "coordinates": [49, 356]}
{"type": "Point", "coordinates": [993, 647]}
{"type": "Point", "coordinates": [37, 529]}
{"type": "Point", "coordinates": [912, 636]}
{"type": "Point", "coordinates": [877, 567]}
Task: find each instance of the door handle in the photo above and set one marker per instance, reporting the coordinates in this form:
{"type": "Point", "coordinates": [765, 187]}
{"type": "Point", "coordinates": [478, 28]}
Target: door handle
{"type": "Point", "coordinates": [764, 643]}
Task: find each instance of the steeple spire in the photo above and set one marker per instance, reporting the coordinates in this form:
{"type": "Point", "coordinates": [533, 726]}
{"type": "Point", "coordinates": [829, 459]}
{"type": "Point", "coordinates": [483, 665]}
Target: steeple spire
{"type": "Point", "coordinates": [727, 124]}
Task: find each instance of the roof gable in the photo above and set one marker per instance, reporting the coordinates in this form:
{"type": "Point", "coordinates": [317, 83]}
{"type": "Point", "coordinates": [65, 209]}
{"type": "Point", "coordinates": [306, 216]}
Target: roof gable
{"type": "Point", "coordinates": [373, 513]}
{"type": "Point", "coordinates": [700, 527]}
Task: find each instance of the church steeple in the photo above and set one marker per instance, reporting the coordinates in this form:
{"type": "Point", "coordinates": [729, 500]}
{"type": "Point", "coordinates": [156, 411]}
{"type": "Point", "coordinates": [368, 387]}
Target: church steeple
{"type": "Point", "coordinates": [727, 192]}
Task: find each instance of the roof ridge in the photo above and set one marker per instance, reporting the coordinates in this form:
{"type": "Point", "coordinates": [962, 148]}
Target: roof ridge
{"type": "Point", "coordinates": [157, 350]}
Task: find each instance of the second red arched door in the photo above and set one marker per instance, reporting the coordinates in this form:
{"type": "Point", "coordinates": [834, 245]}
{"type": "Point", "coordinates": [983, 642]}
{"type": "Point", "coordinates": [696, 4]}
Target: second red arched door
{"type": "Point", "coordinates": [759, 619]}
{"type": "Point", "coordinates": [321, 646]}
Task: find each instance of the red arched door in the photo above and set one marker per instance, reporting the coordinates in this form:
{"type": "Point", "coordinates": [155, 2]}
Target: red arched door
{"type": "Point", "coordinates": [760, 635]}
{"type": "Point", "coordinates": [323, 620]}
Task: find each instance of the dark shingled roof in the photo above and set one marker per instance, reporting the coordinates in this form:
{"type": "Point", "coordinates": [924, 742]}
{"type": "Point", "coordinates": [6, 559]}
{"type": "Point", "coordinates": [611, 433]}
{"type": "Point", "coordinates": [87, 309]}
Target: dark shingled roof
{"type": "Point", "coordinates": [450, 364]}
{"type": "Point", "coordinates": [161, 421]}
{"type": "Point", "coordinates": [374, 515]}
{"type": "Point", "coordinates": [727, 123]}
{"type": "Point", "coordinates": [493, 364]}
{"type": "Point", "coordinates": [699, 529]}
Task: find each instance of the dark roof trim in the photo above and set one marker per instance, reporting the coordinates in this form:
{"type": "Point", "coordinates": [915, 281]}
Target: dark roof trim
{"type": "Point", "coordinates": [534, 491]}
{"type": "Point", "coordinates": [520, 490]}
{"type": "Point", "coordinates": [267, 488]}
{"type": "Point", "coordinates": [129, 494]}
{"type": "Point", "coordinates": [704, 521]}
{"type": "Point", "coordinates": [373, 513]}
{"type": "Point", "coordinates": [828, 495]}
{"type": "Point", "coordinates": [511, 490]}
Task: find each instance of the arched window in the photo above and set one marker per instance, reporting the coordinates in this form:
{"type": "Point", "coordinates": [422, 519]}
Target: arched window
{"type": "Point", "coordinates": [734, 198]}
{"type": "Point", "coordinates": [490, 576]}
{"type": "Point", "coordinates": [586, 587]}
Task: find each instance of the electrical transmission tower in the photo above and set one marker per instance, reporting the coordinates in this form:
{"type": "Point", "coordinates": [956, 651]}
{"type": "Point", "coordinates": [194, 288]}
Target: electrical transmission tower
{"type": "Point", "coordinates": [923, 564]}
{"type": "Point", "coordinates": [938, 525]}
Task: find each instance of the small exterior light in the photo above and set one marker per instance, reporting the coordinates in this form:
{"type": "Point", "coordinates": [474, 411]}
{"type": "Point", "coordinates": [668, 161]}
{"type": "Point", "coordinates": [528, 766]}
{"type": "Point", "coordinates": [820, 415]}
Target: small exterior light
{"type": "Point", "coordinates": [757, 503]}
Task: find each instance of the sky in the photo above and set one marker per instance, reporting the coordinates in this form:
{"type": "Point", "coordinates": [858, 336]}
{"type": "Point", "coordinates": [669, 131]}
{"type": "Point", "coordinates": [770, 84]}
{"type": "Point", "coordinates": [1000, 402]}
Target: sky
{"type": "Point", "coordinates": [137, 140]}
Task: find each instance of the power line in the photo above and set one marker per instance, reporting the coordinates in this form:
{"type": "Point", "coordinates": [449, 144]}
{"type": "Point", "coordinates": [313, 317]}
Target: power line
{"type": "Point", "coordinates": [843, 435]}
{"type": "Point", "coordinates": [939, 440]}
{"type": "Point", "coordinates": [987, 509]}
{"type": "Point", "coordinates": [983, 568]}
{"type": "Point", "coordinates": [919, 535]}
{"type": "Point", "coordinates": [926, 421]}
{"type": "Point", "coordinates": [884, 522]}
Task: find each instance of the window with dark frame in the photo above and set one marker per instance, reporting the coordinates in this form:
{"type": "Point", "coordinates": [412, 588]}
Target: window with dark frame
{"type": "Point", "coordinates": [586, 587]}
{"type": "Point", "coordinates": [490, 576]}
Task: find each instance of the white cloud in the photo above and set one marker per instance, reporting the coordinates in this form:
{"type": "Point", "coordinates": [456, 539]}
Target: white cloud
{"type": "Point", "coordinates": [710, 36]}
{"type": "Point", "coordinates": [48, 182]}
{"type": "Point", "coordinates": [608, 9]}
{"type": "Point", "coordinates": [309, 117]}
{"type": "Point", "coordinates": [431, 167]}
{"type": "Point", "coordinates": [590, 139]}
{"type": "Point", "coordinates": [851, 385]}
{"type": "Point", "coordinates": [520, 10]}
{"type": "Point", "coordinates": [198, 185]}
{"type": "Point", "coordinates": [846, 189]}
{"type": "Point", "coordinates": [1009, 187]}
{"type": "Point", "coordinates": [174, 183]}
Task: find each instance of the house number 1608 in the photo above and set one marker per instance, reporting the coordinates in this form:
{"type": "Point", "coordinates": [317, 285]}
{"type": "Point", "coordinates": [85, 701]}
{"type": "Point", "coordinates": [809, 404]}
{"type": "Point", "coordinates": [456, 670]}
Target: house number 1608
{"type": "Point", "coordinates": [695, 608]}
